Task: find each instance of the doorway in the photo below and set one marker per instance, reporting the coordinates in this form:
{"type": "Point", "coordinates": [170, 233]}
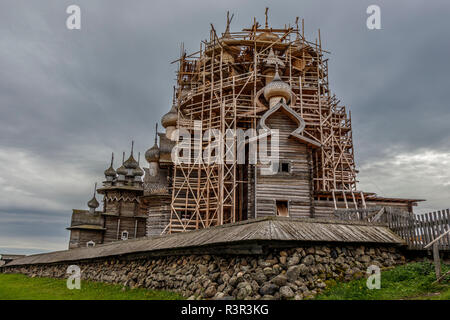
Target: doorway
{"type": "Point", "coordinates": [282, 208]}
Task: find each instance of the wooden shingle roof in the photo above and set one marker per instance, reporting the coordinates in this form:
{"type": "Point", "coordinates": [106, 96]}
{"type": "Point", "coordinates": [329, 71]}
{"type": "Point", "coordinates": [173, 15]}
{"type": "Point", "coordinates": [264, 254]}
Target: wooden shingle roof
{"type": "Point", "coordinates": [250, 236]}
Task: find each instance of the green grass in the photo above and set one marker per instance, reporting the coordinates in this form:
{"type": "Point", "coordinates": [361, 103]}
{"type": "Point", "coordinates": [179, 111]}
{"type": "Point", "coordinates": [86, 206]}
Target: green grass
{"type": "Point", "coordinates": [410, 281]}
{"type": "Point", "coordinates": [21, 287]}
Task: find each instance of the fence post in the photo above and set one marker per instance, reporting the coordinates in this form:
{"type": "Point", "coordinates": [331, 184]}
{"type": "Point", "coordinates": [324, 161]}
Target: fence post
{"type": "Point", "coordinates": [437, 259]}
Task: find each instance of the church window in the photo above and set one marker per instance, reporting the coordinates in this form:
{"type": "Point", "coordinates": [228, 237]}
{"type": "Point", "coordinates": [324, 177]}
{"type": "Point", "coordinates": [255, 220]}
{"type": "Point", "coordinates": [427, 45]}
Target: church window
{"type": "Point", "coordinates": [285, 167]}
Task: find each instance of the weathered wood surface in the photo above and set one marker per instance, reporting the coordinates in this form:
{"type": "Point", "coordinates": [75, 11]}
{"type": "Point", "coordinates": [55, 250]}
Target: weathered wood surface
{"type": "Point", "coordinates": [420, 230]}
{"type": "Point", "coordinates": [325, 208]}
{"type": "Point", "coordinates": [436, 260]}
{"type": "Point", "coordinates": [417, 230]}
{"type": "Point", "coordinates": [265, 230]}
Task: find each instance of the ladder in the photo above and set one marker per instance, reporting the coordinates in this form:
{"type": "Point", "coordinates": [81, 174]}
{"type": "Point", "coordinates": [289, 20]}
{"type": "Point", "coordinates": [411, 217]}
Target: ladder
{"type": "Point", "coordinates": [352, 192]}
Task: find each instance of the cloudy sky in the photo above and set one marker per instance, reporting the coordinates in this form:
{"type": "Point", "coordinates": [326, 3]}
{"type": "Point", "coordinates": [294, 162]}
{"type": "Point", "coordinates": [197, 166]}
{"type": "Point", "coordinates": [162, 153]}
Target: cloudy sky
{"type": "Point", "coordinates": [68, 98]}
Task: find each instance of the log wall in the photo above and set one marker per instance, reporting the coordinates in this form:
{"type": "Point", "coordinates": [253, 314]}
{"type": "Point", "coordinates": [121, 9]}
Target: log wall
{"type": "Point", "coordinates": [293, 186]}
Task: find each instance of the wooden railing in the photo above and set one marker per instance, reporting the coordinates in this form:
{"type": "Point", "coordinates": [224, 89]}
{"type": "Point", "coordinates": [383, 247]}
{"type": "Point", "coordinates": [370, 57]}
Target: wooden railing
{"type": "Point", "coordinates": [417, 230]}
{"type": "Point", "coordinates": [369, 214]}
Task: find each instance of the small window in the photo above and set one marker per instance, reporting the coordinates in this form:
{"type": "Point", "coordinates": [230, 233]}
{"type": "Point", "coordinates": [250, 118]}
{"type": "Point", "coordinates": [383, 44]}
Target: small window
{"type": "Point", "coordinates": [285, 167]}
{"type": "Point", "coordinates": [90, 244]}
{"type": "Point", "coordinates": [282, 208]}
{"type": "Point", "coordinates": [124, 235]}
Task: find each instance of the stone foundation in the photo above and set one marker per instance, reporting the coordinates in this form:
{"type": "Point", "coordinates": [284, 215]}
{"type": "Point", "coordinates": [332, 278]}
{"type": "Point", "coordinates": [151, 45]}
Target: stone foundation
{"type": "Point", "coordinates": [294, 273]}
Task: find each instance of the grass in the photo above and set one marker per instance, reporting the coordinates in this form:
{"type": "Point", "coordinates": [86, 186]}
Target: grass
{"type": "Point", "coordinates": [412, 281]}
{"type": "Point", "coordinates": [409, 281]}
{"type": "Point", "coordinates": [21, 287]}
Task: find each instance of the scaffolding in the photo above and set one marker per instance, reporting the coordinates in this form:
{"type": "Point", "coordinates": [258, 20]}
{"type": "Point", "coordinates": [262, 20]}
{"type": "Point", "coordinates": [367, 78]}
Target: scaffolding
{"type": "Point", "coordinates": [217, 88]}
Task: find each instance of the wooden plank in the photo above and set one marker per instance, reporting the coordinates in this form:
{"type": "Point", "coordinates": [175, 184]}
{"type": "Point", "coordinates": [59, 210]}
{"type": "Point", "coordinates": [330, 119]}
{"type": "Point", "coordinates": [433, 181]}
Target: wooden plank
{"type": "Point", "coordinates": [427, 228]}
{"type": "Point", "coordinates": [412, 231]}
{"type": "Point", "coordinates": [437, 260]}
{"type": "Point", "coordinates": [434, 225]}
{"type": "Point", "coordinates": [444, 227]}
{"type": "Point", "coordinates": [421, 230]}
{"type": "Point", "coordinates": [334, 200]}
{"type": "Point", "coordinates": [447, 220]}
{"type": "Point", "coordinates": [418, 232]}
{"type": "Point", "coordinates": [441, 228]}
{"type": "Point", "coordinates": [437, 239]}
{"type": "Point", "coordinates": [403, 221]}
{"type": "Point", "coordinates": [379, 214]}
{"type": "Point", "coordinates": [399, 223]}
{"type": "Point", "coordinates": [411, 227]}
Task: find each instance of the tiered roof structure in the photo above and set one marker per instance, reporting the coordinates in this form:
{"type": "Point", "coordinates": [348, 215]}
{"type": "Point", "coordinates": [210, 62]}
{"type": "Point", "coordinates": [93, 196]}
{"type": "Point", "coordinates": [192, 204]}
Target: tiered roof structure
{"type": "Point", "coordinates": [225, 85]}
{"type": "Point", "coordinates": [258, 78]}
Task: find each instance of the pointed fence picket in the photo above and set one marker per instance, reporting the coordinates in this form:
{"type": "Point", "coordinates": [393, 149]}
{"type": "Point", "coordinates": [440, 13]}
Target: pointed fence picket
{"type": "Point", "coordinates": [417, 230]}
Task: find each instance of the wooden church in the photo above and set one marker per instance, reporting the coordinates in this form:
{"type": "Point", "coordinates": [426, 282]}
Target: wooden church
{"type": "Point", "coordinates": [260, 78]}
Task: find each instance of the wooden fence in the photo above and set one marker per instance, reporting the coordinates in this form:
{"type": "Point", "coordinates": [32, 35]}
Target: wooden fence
{"type": "Point", "coordinates": [417, 230]}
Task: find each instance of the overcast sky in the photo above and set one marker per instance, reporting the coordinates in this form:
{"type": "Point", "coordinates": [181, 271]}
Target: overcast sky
{"type": "Point", "coordinates": [68, 98]}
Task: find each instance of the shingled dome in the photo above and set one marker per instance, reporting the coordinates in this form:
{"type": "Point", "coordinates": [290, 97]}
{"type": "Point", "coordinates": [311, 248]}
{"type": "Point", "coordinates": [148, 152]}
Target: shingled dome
{"type": "Point", "coordinates": [273, 60]}
{"type": "Point", "coordinates": [130, 163]}
{"type": "Point", "coordinates": [93, 203]}
{"type": "Point", "coordinates": [122, 170]}
{"type": "Point", "coordinates": [110, 172]}
{"type": "Point", "coordinates": [170, 119]}
{"type": "Point", "coordinates": [267, 36]}
{"type": "Point", "coordinates": [138, 172]}
{"type": "Point", "coordinates": [152, 154]}
{"type": "Point", "coordinates": [277, 88]}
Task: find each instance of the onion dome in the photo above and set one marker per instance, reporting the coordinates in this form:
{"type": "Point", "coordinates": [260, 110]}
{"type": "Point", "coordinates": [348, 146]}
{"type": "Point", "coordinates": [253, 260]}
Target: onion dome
{"type": "Point", "coordinates": [131, 163]}
{"type": "Point", "coordinates": [152, 154]}
{"type": "Point", "coordinates": [122, 170]}
{"type": "Point", "coordinates": [138, 171]}
{"type": "Point", "coordinates": [267, 36]}
{"type": "Point", "coordinates": [273, 60]}
{"type": "Point", "coordinates": [170, 119]}
{"type": "Point", "coordinates": [93, 203]}
{"type": "Point", "coordinates": [110, 172]}
{"type": "Point", "coordinates": [277, 88]}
